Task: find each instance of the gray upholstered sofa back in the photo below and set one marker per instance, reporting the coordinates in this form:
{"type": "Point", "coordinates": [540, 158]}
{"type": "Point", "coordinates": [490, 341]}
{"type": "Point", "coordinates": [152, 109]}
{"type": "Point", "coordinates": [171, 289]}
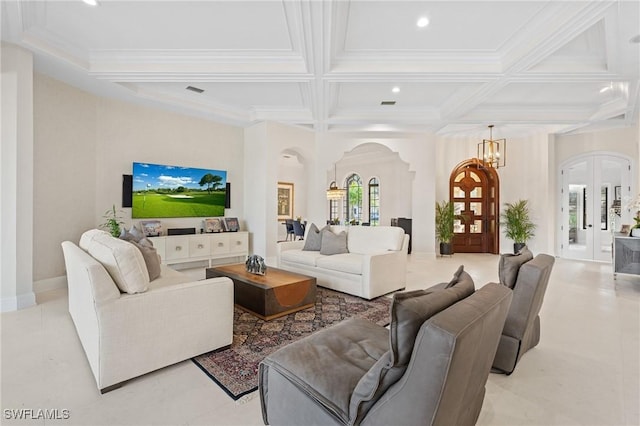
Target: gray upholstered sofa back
{"type": "Point", "coordinates": [522, 327]}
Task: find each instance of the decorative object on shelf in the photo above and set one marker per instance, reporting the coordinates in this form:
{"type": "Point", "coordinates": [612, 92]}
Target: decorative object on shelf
{"type": "Point", "coordinates": [151, 228]}
{"type": "Point", "coordinates": [285, 200]}
{"type": "Point", "coordinates": [232, 224]}
{"type": "Point", "coordinates": [625, 229]}
{"type": "Point", "coordinates": [492, 153]}
{"type": "Point", "coordinates": [335, 193]}
{"type": "Point", "coordinates": [214, 225]}
{"type": "Point", "coordinates": [113, 221]}
{"type": "Point", "coordinates": [255, 265]}
{"type": "Point", "coordinates": [517, 223]}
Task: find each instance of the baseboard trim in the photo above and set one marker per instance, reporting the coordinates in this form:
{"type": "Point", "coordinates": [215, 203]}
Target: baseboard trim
{"type": "Point", "coordinates": [9, 304]}
{"type": "Point", "coordinates": [49, 284]}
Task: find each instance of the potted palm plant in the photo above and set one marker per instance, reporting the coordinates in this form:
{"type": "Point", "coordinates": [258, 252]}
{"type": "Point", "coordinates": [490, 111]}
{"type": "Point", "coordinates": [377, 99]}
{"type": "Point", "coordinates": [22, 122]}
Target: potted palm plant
{"type": "Point", "coordinates": [445, 215]}
{"type": "Point", "coordinates": [517, 223]}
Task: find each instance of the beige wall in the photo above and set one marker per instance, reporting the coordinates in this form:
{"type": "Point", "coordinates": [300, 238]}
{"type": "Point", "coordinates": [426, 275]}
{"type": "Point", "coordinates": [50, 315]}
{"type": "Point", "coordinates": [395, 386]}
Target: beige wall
{"type": "Point", "coordinates": [83, 146]}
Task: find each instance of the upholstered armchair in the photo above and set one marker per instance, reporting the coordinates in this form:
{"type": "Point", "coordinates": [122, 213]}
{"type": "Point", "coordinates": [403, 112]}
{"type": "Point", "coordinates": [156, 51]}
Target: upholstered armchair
{"type": "Point", "coordinates": [430, 367]}
{"type": "Point", "coordinates": [521, 331]}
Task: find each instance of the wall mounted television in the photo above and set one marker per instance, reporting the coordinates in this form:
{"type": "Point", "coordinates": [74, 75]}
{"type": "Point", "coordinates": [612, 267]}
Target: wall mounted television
{"type": "Point", "coordinates": [162, 191]}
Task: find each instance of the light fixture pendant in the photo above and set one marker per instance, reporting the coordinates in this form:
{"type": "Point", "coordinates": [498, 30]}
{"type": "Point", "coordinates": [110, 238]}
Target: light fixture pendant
{"type": "Point", "coordinates": [335, 193]}
{"type": "Point", "coordinates": [492, 152]}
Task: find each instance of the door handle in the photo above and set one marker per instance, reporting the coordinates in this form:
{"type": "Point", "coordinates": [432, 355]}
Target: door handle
{"type": "Point", "coordinates": [590, 226]}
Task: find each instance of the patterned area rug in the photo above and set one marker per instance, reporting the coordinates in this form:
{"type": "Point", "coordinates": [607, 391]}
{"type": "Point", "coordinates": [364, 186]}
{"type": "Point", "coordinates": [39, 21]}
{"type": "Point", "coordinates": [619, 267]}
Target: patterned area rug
{"type": "Point", "coordinates": [236, 369]}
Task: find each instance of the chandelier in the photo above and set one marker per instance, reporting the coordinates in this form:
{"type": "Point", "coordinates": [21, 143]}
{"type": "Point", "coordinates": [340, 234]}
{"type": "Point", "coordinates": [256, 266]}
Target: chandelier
{"type": "Point", "coordinates": [335, 193]}
{"type": "Point", "coordinates": [492, 152]}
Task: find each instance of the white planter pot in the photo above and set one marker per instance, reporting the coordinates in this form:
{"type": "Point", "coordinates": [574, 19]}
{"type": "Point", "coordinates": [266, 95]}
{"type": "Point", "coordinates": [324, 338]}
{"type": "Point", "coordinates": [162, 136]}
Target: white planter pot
{"type": "Point", "coordinates": [635, 232]}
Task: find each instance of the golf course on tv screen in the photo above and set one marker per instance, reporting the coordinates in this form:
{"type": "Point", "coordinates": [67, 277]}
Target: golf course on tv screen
{"type": "Point", "coordinates": [161, 191]}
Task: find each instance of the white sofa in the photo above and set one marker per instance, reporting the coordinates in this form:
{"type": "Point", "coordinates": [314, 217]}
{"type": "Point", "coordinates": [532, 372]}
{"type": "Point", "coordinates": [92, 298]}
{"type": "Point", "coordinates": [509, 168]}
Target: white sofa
{"type": "Point", "coordinates": [376, 263]}
{"type": "Point", "coordinates": [167, 320]}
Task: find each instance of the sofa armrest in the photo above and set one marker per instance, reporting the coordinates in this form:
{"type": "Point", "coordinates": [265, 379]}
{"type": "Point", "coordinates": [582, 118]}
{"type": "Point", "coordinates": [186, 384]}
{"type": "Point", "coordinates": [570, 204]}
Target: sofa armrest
{"type": "Point", "coordinates": [383, 273]}
{"type": "Point", "coordinates": [287, 245]}
{"type": "Point", "coordinates": [146, 331]}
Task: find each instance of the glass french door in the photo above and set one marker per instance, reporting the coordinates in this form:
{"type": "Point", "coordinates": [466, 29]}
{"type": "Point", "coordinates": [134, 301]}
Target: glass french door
{"type": "Point", "coordinates": [593, 190]}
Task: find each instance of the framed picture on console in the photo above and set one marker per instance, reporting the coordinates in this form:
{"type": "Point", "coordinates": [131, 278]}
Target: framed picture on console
{"type": "Point", "coordinates": [151, 228]}
{"type": "Point", "coordinates": [232, 224]}
{"type": "Point", "coordinates": [285, 200]}
{"type": "Point", "coordinates": [215, 224]}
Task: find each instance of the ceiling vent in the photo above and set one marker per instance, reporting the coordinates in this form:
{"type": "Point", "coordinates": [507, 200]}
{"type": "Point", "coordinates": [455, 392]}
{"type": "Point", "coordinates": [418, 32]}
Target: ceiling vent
{"type": "Point", "coordinates": [195, 89]}
{"type": "Point", "coordinates": [388, 103]}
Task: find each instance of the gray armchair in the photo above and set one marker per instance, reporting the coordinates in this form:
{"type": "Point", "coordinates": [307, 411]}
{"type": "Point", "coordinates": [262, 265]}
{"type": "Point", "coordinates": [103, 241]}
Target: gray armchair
{"type": "Point", "coordinates": [522, 328]}
{"type": "Point", "coordinates": [430, 367]}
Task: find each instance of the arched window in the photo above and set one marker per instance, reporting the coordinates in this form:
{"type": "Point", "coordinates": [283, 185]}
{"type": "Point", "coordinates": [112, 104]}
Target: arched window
{"type": "Point", "coordinates": [353, 212]}
{"type": "Point", "coordinates": [374, 202]}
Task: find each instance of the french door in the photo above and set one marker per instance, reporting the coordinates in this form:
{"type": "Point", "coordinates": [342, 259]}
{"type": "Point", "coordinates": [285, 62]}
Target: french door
{"type": "Point", "coordinates": [474, 192]}
{"type": "Point", "coordinates": [595, 189]}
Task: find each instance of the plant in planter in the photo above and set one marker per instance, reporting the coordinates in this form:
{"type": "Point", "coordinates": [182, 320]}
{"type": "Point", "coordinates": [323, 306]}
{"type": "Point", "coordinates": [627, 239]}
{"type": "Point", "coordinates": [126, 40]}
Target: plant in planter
{"type": "Point", "coordinates": [113, 221]}
{"type": "Point", "coordinates": [445, 216]}
{"type": "Point", "coordinates": [517, 223]}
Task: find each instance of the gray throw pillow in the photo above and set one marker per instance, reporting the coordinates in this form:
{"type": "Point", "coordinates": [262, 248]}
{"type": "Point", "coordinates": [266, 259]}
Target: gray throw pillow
{"type": "Point", "coordinates": [332, 243]}
{"type": "Point", "coordinates": [313, 240]}
{"type": "Point", "coordinates": [151, 259]}
{"type": "Point", "coordinates": [372, 385]}
{"type": "Point", "coordinates": [411, 309]}
{"type": "Point", "coordinates": [510, 264]}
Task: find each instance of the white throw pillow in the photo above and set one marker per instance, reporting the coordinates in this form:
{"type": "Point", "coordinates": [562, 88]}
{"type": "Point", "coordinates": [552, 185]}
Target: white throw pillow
{"type": "Point", "coordinates": [88, 236]}
{"type": "Point", "coordinates": [122, 260]}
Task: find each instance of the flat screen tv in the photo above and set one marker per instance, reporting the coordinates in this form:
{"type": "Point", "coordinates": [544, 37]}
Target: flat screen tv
{"type": "Point", "coordinates": [161, 191]}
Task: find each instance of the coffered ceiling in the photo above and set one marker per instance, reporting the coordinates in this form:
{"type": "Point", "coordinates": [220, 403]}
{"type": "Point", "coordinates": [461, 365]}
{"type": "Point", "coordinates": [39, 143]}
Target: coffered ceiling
{"type": "Point", "coordinates": [328, 65]}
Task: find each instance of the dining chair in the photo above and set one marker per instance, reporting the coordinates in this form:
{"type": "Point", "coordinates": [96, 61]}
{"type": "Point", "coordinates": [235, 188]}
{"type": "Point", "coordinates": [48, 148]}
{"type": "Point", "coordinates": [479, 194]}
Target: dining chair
{"type": "Point", "coordinates": [298, 230]}
{"type": "Point", "coordinates": [289, 224]}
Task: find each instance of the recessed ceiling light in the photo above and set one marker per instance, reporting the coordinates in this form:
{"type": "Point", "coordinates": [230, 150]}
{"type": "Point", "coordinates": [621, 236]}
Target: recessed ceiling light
{"type": "Point", "coordinates": [91, 2]}
{"type": "Point", "coordinates": [423, 21]}
{"type": "Point", "coordinates": [396, 89]}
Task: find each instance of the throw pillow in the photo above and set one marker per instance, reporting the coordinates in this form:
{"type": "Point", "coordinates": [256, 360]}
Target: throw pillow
{"type": "Point", "coordinates": [333, 243]}
{"type": "Point", "coordinates": [372, 385]}
{"type": "Point", "coordinates": [510, 264]}
{"type": "Point", "coordinates": [409, 310]}
{"type": "Point", "coordinates": [313, 242]}
{"type": "Point", "coordinates": [456, 277]}
{"type": "Point", "coordinates": [122, 260]}
{"type": "Point", "coordinates": [151, 259]}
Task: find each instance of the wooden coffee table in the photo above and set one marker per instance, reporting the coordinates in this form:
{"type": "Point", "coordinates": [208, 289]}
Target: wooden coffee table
{"type": "Point", "coordinates": [269, 296]}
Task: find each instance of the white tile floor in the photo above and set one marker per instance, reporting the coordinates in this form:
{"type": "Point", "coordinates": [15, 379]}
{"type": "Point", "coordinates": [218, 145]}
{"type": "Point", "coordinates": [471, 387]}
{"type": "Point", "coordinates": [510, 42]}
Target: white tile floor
{"type": "Point", "coordinates": [585, 371]}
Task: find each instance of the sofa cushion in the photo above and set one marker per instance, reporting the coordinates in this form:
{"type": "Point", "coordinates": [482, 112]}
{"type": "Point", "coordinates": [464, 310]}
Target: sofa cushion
{"type": "Point", "coordinates": [333, 243]}
{"type": "Point", "coordinates": [302, 257]}
{"type": "Point", "coordinates": [411, 309]}
{"type": "Point", "coordinates": [313, 239]}
{"type": "Point", "coordinates": [375, 239]}
{"type": "Point", "coordinates": [122, 260]}
{"type": "Point", "coordinates": [350, 263]}
{"type": "Point", "coordinates": [151, 259]}
{"type": "Point", "coordinates": [510, 264]}
{"type": "Point", "coordinates": [329, 364]}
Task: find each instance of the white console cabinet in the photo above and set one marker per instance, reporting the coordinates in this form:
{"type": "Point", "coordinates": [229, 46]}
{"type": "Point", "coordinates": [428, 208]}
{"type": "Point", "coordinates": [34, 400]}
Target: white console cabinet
{"type": "Point", "coordinates": [192, 248]}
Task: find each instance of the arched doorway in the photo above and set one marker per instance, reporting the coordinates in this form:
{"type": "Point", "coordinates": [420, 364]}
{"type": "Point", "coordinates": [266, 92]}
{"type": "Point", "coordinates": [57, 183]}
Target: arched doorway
{"type": "Point", "coordinates": [475, 193]}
